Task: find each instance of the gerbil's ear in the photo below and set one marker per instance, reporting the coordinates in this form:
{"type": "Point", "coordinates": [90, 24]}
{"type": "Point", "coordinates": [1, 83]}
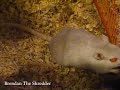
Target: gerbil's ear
{"type": "Point", "coordinates": [105, 38]}
{"type": "Point", "coordinates": [99, 56]}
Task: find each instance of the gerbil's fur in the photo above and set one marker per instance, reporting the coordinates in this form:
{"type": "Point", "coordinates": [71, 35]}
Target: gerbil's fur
{"type": "Point", "coordinates": [80, 48]}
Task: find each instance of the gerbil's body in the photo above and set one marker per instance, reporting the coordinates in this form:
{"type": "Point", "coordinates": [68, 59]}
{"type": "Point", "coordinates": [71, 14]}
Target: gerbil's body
{"type": "Point", "coordinates": [80, 48]}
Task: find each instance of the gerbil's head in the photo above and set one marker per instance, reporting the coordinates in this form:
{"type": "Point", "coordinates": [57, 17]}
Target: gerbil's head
{"type": "Point", "coordinates": [106, 60]}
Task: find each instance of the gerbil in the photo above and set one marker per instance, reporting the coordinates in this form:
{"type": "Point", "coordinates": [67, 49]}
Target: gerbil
{"type": "Point", "coordinates": [80, 48]}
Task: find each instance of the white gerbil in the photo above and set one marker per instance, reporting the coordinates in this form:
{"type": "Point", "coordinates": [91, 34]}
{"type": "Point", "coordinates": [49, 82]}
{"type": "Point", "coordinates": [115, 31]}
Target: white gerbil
{"type": "Point", "coordinates": [80, 48]}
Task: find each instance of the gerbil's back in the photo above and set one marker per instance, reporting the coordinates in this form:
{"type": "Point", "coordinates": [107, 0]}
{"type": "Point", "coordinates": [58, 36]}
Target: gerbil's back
{"type": "Point", "coordinates": [69, 40]}
{"type": "Point", "coordinates": [57, 45]}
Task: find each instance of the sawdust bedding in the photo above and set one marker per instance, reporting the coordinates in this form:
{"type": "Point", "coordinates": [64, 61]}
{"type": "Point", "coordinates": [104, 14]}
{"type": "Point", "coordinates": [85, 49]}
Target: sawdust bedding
{"type": "Point", "coordinates": [26, 57]}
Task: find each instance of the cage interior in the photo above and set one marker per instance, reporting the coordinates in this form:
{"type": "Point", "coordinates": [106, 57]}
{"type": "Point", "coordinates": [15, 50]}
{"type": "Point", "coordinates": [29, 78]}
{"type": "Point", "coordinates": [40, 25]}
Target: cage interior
{"type": "Point", "coordinates": [108, 13]}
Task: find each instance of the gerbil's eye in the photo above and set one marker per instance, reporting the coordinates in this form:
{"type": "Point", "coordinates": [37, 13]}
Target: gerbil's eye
{"type": "Point", "coordinates": [99, 56]}
{"type": "Point", "coordinates": [113, 59]}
